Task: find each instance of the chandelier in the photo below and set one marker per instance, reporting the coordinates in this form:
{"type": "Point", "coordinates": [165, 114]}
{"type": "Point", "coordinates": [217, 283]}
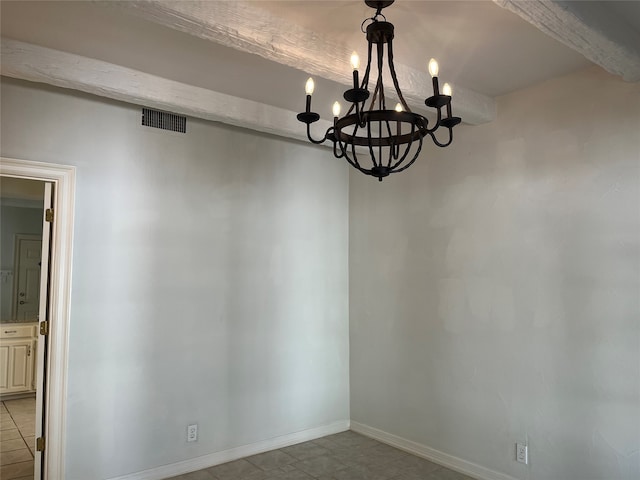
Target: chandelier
{"type": "Point", "coordinates": [373, 139]}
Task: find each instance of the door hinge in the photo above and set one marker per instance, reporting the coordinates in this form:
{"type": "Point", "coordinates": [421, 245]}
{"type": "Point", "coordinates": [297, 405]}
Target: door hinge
{"type": "Point", "coordinates": [48, 215]}
{"type": "Point", "coordinates": [44, 328]}
{"type": "Point", "coordinates": [40, 444]}
{"type": "Point", "coordinates": [28, 350]}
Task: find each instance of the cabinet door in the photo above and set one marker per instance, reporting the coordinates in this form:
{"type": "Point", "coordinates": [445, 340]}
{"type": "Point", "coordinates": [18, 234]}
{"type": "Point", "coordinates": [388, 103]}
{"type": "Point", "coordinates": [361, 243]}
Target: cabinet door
{"type": "Point", "coordinates": [4, 367]}
{"type": "Point", "coordinates": [19, 364]}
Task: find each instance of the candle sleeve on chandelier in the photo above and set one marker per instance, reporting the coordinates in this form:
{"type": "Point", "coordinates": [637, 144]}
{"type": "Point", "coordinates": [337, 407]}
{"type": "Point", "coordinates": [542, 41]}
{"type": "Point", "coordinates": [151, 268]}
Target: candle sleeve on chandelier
{"type": "Point", "coordinates": [433, 67]}
{"type": "Point", "coordinates": [355, 64]}
{"type": "Point", "coordinates": [309, 89]}
{"type": "Point", "coordinates": [433, 71]}
{"type": "Point", "coordinates": [309, 86]}
{"type": "Point", "coordinates": [336, 109]}
{"type": "Point", "coordinates": [446, 90]}
{"type": "Point", "coordinates": [355, 61]}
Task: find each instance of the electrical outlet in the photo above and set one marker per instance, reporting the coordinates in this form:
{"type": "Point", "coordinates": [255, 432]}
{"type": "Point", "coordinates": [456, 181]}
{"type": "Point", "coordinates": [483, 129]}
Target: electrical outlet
{"type": "Point", "coordinates": [522, 453]}
{"type": "Point", "coordinates": [192, 433]}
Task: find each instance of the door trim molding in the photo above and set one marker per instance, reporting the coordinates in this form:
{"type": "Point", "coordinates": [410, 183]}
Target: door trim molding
{"type": "Point", "coordinates": [63, 177]}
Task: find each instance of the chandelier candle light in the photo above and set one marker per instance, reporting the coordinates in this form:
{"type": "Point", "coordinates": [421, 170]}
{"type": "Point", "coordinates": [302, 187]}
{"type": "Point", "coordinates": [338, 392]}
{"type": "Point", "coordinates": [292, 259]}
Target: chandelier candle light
{"type": "Point", "coordinates": [391, 139]}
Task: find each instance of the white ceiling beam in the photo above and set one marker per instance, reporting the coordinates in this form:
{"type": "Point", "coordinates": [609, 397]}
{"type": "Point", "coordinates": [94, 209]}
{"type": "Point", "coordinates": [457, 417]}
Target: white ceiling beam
{"type": "Point", "coordinates": [590, 28]}
{"type": "Point", "coordinates": [247, 28]}
{"type": "Point", "coordinates": [44, 65]}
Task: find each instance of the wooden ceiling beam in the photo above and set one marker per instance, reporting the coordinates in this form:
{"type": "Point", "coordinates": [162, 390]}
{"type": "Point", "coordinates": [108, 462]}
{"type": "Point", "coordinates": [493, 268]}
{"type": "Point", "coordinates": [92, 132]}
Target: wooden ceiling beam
{"type": "Point", "coordinates": [44, 65]}
{"type": "Point", "coordinates": [591, 28]}
{"type": "Point", "coordinates": [247, 28]}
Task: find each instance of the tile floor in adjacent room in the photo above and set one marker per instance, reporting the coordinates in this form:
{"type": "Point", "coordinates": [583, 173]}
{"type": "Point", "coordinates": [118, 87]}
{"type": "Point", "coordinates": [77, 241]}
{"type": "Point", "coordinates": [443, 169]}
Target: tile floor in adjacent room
{"type": "Point", "coordinates": [344, 456]}
{"type": "Point", "coordinates": [17, 441]}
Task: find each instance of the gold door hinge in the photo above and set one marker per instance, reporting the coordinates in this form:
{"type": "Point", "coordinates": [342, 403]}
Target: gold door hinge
{"type": "Point", "coordinates": [44, 328]}
{"type": "Point", "coordinates": [40, 444]}
{"type": "Point", "coordinates": [48, 215]}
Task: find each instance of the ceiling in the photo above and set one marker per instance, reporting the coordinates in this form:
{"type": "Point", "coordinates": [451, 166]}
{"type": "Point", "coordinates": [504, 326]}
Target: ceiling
{"type": "Point", "coordinates": [254, 55]}
{"type": "Point", "coordinates": [21, 189]}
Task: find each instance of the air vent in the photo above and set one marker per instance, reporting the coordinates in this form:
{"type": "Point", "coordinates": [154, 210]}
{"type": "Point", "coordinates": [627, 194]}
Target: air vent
{"type": "Point", "coordinates": [164, 120]}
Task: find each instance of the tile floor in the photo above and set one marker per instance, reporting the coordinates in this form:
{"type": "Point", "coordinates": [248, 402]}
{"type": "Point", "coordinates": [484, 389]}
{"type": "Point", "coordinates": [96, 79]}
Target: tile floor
{"type": "Point", "coordinates": [344, 456]}
{"type": "Point", "coordinates": [17, 441]}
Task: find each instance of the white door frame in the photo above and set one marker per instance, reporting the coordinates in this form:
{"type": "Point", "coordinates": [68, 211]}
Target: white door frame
{"type": "Point", "coordinates": [63, 178]}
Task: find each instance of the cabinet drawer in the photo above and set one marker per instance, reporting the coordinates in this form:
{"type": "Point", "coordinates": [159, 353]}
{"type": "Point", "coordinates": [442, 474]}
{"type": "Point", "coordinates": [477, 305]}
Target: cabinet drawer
{"type": "Point", "coordinates": [17, 331]}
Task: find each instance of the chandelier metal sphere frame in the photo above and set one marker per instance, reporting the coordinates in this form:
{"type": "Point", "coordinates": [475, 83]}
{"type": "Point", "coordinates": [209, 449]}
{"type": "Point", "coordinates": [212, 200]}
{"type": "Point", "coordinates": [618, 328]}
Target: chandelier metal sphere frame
{"type": "Point", "coordinates": [391, 139]}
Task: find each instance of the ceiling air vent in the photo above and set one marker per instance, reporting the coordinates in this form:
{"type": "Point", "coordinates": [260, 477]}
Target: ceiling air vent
{"type": "Point", "coordinates": [164, 120]}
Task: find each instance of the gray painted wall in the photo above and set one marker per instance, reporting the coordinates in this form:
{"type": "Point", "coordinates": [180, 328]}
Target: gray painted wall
{"type": "Point", "coordinates": [495, 287]}
{"type": "Point", "coordinates": [210, 281]}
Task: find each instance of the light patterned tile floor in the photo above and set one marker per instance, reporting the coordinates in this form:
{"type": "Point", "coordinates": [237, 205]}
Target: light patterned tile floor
{"type": "Point", "coordinates": [344, 456]}
{"type": "Point", "coordinates": [17, 421]}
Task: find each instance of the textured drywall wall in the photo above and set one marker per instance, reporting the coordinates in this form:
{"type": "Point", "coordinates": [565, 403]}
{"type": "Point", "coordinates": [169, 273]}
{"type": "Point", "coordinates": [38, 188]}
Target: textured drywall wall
{"type": "Point", "coordinates": [210, 281]}
{"type": "Point", "coordinates": [495, 287]}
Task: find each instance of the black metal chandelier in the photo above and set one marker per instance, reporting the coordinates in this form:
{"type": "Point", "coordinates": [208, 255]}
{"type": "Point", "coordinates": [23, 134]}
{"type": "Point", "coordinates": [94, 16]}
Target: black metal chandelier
{"type": "Point", "coordinates": [391, 139]}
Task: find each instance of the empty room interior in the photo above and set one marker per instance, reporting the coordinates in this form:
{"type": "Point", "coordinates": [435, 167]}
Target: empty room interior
{"type": "Point", "coordinates": [331, 240]}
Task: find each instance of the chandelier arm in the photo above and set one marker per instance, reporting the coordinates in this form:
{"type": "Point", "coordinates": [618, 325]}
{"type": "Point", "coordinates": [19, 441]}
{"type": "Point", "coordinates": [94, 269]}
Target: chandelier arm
{"type": "Point", "coordinates": [318, 142]}
{"type": "Point", "coordinates": [394, 77]}
{"type": "Point", "coordinates": [344, 151]}
{"type": "Point", "coordinates": [335, 150]}
{"type": "Point", "coordinates": [393, 147]}
{"type": "Point", "coordinates": [354, 165]}
{"type": "Point", "coordinates": [351, 162]}
{"type": "Point", "coordinates": [442, 145]}
{"type": "Point", "coordinates": [353, 145]}
{"type": "Point", "coordinates": [429, 131]}
{"type": "Point", "coordinates": [383, 102]}
{"type": "Point", "coordinates": [355, 156]}
{"type": "Point", "coordinates": [407, 149]}
{"type": "Point", "coordinates": [395, 137]}
{"type": "Point", "coordinates": [415, 157]}
{"type": "Point", "coordinates": [380, 144]}
{"type": "Point", "coordinates": [364, 86]}
{"type": "Point", "coordinates": [365, 78]}
{"type": "Point", "coordinates": [354, 159]}
{"type": "Point", "coordinates": [395, 153]}
{"type": "Point", "coordinates": [370, 145]}
{"type": "Point", "coordinates": [375, 96]}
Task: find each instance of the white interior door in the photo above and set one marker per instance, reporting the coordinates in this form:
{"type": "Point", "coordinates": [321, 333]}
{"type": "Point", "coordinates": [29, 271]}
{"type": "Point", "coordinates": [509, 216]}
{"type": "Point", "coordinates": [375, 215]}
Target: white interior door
{"type": "Point", "coordinates": [27, 291]}
{"type": "Point", "coordinates": [44, 316]}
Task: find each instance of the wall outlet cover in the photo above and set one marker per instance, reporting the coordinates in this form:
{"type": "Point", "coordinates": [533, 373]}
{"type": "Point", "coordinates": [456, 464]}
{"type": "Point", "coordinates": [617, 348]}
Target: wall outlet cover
{"type": "Point", "coordinates": [192, 433]}
{"type": "Point", "coordinates": [522, 453]}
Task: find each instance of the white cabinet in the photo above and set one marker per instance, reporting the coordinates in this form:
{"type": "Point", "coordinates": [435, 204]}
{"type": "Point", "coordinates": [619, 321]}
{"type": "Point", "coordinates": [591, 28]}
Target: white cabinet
{"type": "Point", "coordinates": [17, 354]}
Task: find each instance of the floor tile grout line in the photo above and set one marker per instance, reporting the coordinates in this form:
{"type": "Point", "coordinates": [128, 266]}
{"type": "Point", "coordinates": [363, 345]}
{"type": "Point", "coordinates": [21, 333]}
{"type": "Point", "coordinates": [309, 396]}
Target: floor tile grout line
{"type": "Point", "coordinates": [19, 431]}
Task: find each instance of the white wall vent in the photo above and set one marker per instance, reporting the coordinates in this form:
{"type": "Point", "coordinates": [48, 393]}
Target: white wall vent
{"type": "Point", "coordinates": [164, 120]}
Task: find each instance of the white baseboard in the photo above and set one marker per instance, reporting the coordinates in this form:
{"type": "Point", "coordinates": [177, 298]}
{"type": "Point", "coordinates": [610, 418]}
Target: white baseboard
{"type": "Point", "coordinates": [205, 461]}
{"type": "Point", "coordinates": [436, 456]}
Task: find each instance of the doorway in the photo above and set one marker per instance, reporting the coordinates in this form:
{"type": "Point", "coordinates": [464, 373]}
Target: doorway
{"type": "Point", "coordinates": [50, 329]}
{"type": "Point", "coordinates": [22, 358]}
